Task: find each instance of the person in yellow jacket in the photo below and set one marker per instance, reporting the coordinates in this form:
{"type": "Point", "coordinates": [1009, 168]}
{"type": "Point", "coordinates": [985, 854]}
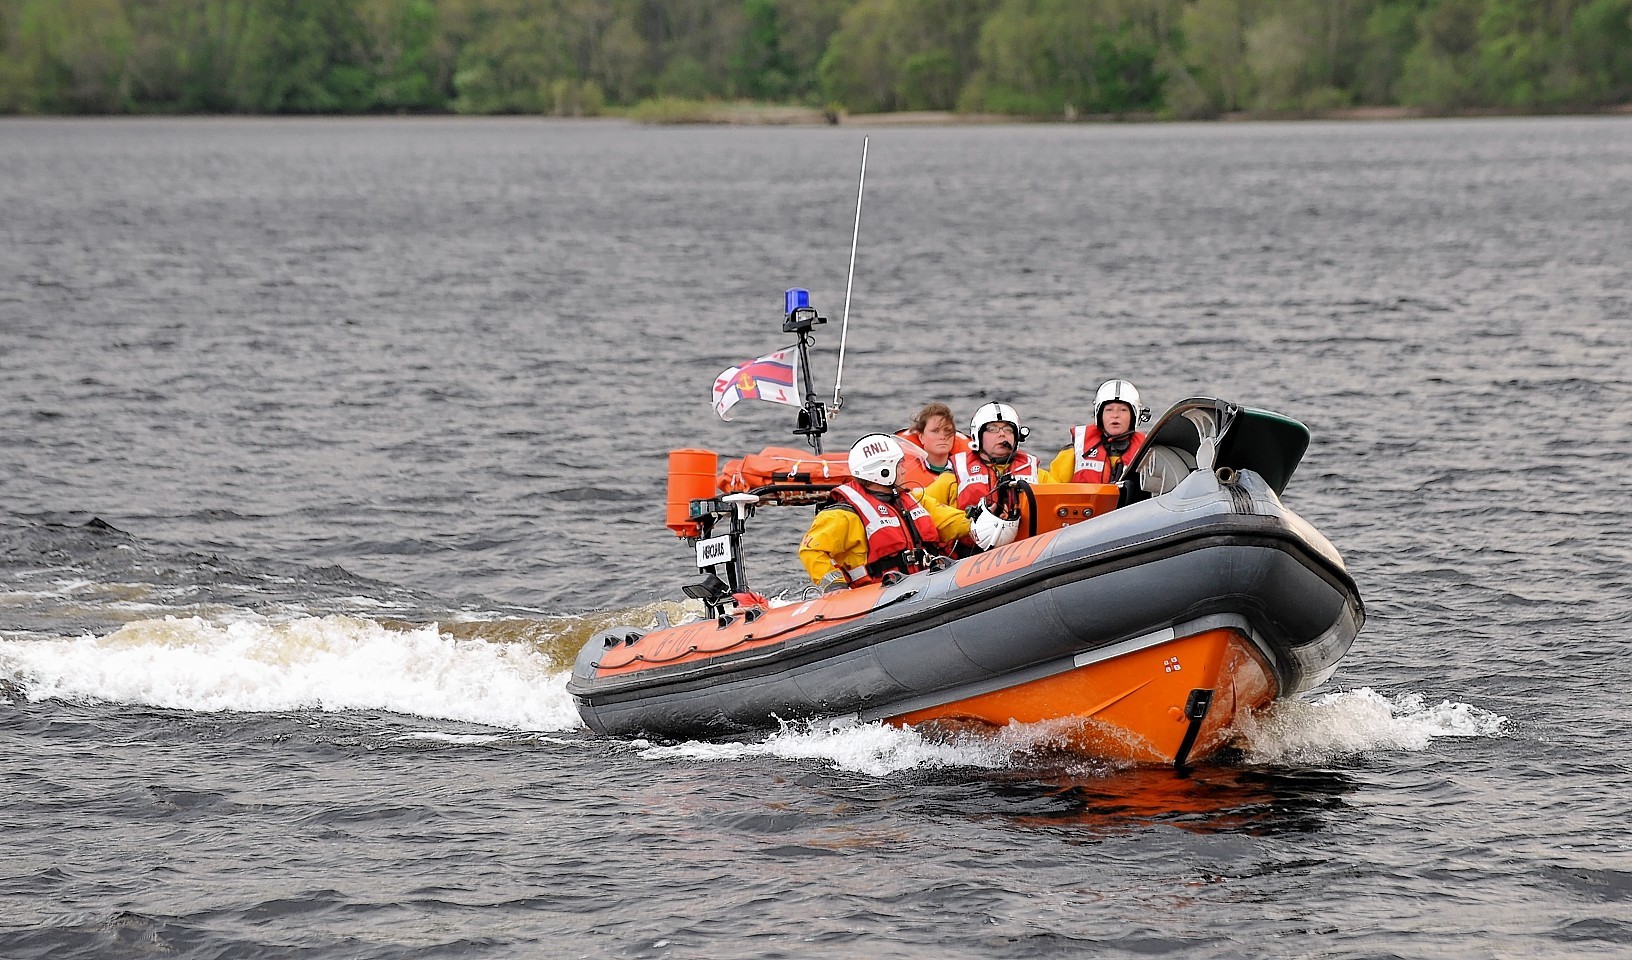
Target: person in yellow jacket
{"type": "Point", "coordinates": [994, 453]}
{"type": "Point", "coordinates": [1101, 451]}
{"type": "Point", "coordinates": [874, 531]}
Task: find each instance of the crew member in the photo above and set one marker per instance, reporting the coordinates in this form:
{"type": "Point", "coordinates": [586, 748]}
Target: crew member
{"type": "Point", "coordinates": [873, 530]}
{"type": "Point", "coordinates": [994, 453]}
{"type": "Point", "coordinates": [1100, 451]}
{"type": "Point", "coordinates": [935, 433]}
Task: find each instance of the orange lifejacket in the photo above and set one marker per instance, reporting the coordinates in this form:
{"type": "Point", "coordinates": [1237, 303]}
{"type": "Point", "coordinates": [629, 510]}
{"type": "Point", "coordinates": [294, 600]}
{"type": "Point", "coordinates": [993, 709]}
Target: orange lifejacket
{"type": "Point", "coordinates": [1095, 463]}
{"type": "Point", "coordinates": [891, 543]}
{"type": "Point", "coordinates": [915, 472]}
{"type": "Point", "coordinates": [960, 443]}
{"type": "Point", "coordinates": [976, 477]}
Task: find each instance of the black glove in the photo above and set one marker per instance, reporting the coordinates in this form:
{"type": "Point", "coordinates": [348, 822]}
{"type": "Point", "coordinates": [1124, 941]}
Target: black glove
{"type": "Point", "coordinates": [1006, 498]}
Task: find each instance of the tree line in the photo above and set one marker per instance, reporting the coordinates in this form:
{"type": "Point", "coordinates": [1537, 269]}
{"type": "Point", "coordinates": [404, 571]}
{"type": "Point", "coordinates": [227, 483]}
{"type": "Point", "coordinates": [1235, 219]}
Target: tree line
{"type": "Point", "coordinates": [1046, 58]}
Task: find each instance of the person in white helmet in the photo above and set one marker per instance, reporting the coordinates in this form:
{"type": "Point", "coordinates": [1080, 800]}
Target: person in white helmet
{"type": "Point", "coordinates": [1100, 451]}
{"type": "Point", "coordinates": [873, 529]}
{"type": "Point", "coordinates": [994, 454]}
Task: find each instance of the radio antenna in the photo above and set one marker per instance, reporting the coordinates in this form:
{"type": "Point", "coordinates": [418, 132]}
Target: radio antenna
{"type": "Point", "coordinates": [844, 328]}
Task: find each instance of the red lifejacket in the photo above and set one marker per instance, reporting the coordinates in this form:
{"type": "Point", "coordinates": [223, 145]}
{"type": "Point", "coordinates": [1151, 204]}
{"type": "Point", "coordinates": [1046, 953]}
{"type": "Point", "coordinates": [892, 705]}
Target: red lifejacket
{"type": "Point", "coordinates": [976, 477]}
{"type": "Point", "coordinates": [890, 545]}
{"type": "Point", "coordinates": [1094, 462]}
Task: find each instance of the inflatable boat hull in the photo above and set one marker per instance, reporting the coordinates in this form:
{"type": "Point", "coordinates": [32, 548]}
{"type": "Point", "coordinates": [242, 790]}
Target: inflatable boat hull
{"type": "Point", "coordinates": [1142, 635]}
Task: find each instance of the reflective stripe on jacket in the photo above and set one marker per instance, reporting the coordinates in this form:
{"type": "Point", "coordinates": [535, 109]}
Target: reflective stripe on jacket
{"type": "Point", "coordinates": [885, 525]}
{"type": "Point", "coordinates": [1093, 461]}
{"type": "Point", "coordinates": [975, 477]}
{"type": "Point", "coordinates": [836, 542]}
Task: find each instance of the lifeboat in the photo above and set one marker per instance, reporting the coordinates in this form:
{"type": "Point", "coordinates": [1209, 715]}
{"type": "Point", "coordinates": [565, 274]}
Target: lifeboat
{"type": "Point", "coordinates": [1139, 620]}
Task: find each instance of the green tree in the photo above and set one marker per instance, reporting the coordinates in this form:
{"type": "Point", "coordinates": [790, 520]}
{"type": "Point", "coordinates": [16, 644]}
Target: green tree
{"type": "Point", "coordinates": [307, 56]}
{"type": "Point", "coordinates": [686, 77]}
{"type": "Point", "coordinates": [805, 28]}
{"type": "Point", "coordinates": [693, 45]}
{"type": "Point", "coordinates": [1440, 71]}
{"type": "Point", "coordinates": [859, 67]}
{"type": "Point", "coordinates": [1390, 33]}
{"type": "Point", "coordinates": [1068, 56]}
{"type": "Point", "coordinates": [620, 64]}
{"type": "Point", "coordinates": [760, 69]}
{"type": "Point", "coordinates": [1552, 53]}
{"type": "Point", "coordinates": [509, 53]}
{"type": "Point", "coordinates": [68, 56]}
{"type": "Point", "coordinates": [190, 55]}
{"type": "Point", "coordinates": [1304, 54]}
{"type": "Point", "coordinates": [903, 54]}
{"type": "Point", "coordinates": [781, 43]}
{"type": "Point", "coordinates": [543, 56]}
{"type": "Point", "coordinates": [398, 39]}
{"type": "Point", "coordinates": [1277, 55]}
{"type": "Point", "coordinates": [1182, 57]}
{"type": "Point", "coordinates": [1601, 48]}
{"type": "Point", "coordinates": [1215, 53]}
{"type": "Point", "coordinates": [1516, 48]}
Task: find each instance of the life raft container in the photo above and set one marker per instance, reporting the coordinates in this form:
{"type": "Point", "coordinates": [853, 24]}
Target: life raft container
{"type": "Point", "coordinates": [778, 465]}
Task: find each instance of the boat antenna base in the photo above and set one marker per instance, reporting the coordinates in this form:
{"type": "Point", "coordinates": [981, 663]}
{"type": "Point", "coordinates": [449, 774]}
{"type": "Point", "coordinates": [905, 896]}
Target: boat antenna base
{"type": "Point", "coordinates": [798, 316]}
{"type": "Point", "coordinates": [812, 423]}
{"type": "Point", "coordinates": [800, 319]}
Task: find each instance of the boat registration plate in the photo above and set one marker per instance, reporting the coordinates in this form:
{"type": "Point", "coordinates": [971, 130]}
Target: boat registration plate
{"type": "Point", "coordinates": [714, 550]}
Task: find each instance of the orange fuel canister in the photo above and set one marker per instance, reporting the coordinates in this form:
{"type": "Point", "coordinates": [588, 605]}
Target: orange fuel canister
{"type": "Point", "coordinates": [691, 477]}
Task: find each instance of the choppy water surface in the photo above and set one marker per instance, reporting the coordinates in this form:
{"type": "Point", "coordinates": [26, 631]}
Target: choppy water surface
{"type": "Point", "coordinates": [328, 443]}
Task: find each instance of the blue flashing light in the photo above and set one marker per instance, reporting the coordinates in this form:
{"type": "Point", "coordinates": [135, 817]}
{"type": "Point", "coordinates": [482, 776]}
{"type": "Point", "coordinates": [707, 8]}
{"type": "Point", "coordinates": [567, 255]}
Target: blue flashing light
{"type": "Point", "coordinates": [795, 298]}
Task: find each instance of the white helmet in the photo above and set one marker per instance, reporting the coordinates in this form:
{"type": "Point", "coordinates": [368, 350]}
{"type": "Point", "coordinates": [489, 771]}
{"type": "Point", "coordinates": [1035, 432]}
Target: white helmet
{"type": "Point", "coordinates": [876, 457]}
{"type": "Point", "coordinates": [995, 413]}
{"type": "Point", "coordinates": [1119, 391]}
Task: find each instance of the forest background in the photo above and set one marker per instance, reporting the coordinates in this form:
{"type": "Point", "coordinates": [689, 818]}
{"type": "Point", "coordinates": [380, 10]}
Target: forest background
{"type": "Point", "coordinates": [1035, 58]}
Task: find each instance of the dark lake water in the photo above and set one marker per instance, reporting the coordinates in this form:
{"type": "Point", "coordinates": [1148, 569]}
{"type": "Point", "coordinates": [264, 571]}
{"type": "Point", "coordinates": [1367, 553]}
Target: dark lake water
{"type": "Point", "coordinates": [327, 443]}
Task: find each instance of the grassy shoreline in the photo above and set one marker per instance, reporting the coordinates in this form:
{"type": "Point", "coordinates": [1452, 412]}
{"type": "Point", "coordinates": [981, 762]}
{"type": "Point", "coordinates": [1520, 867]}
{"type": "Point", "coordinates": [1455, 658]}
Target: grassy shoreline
{"type": "Point", "coordinates": [668, 111]}
{"type": "Point", "coordinates": [675, 112]}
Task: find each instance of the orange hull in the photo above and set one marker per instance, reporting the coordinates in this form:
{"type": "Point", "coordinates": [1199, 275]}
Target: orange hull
{"type": "Point", "coordinates": [1137, 706]}
{"type": "Point", "coordinates": [1139, 623]}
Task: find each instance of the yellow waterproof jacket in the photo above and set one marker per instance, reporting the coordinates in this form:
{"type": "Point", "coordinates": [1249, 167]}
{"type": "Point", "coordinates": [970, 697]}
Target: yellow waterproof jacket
{"type": "Point", "coordinates": [837, 540]}
{"type": "Point", "coordinates": [1064, 465]}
